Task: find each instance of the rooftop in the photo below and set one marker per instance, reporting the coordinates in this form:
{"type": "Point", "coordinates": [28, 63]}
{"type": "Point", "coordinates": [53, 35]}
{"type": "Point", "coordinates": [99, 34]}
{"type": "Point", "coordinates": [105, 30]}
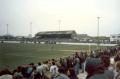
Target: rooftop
{"type": "Point", "coordinates": [57, 32]}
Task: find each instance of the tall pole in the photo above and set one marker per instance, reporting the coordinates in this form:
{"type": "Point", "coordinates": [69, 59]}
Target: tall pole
{"type": "Point", "coordinates": [31, 29]}
{"type": "Point", "coordinates": [98, 18]}
{"type": "Point", "coordinates": [7, 28]}
{"type": "Point", "coordinates": [59, 22]}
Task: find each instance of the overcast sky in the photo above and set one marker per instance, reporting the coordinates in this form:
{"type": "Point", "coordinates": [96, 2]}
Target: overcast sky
{"type": "Point", "coordinates": [78, 15]}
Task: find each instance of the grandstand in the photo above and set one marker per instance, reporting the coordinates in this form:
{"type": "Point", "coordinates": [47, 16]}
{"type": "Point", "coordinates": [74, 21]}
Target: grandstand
{"type": "Point", "coordinates": [55, 36]}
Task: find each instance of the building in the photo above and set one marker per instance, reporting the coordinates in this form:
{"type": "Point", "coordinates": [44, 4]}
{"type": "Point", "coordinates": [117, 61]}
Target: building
{"type": "Point", "coordinates": [115, 38]}
{"type": "Point", "coordinates": [7, 38]}
{"type": "Point", "coordinates": [55, 36]}
{"type": "Point", "coordinates": [84, 38]}
{"type": "Point", "coordinates": [24, 39]}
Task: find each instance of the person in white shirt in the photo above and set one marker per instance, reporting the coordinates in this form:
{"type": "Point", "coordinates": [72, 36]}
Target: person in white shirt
{"type": "Point", "coordinates": [6, 76]}
{"type": "Point", "coordinates": [53, 70]}
{"type": "Point", "coordinates": [39, 68]}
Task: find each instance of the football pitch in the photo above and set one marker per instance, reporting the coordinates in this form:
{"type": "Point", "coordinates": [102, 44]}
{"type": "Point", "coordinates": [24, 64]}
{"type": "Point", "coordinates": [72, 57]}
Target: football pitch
{"type": "Point", "coordinates": [15, 54]}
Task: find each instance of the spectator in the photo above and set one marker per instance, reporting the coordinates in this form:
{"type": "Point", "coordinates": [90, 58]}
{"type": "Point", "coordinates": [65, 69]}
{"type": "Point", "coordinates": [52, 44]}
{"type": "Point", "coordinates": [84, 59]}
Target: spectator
{"type": "Point", "coordinates": [72, 74]}
{"type": "Point", "coordinates": [76, 65]}
{"type": "Point", "coordinates": [91, 64]}
{"type": "Point", "coordinates": [39, 68]}
{"type": "Point", "coordinates": [5, 74]}
{"type": "Point", "coordinates": [24, 70]}
{"type": "Point", "coordinates": [34, 72]}
{"type": "Point", "coordinates": [53, 70]}
{"type": "Point", "coordinates": [18, 74]}
{"type": "Point", "coordinates": [40, 71]}
{"type": "Point", "coordinates": [117, 70]}
{"type": "Point", "coordinates": [39, 76]}
{"type": "Point", "coordinates": [99, 73]}
{"type": "Point", "coordinates": [61, 74]}
{"type": "Point", "coordinates": [107, 70]}
{"type": "Point", "coordinates": [30, 69]}
{"type": "Point", "coordinates": [82, 61]}
{"type": "Point", "coordinates": [117, 57]}
{"type": "Point", "coordinates": [44, 67]}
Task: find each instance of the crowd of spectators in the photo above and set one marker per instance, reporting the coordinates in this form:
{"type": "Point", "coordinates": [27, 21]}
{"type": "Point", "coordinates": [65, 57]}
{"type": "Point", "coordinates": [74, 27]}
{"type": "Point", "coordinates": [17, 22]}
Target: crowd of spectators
{"type": "Point", "coordinates": [97, 64]}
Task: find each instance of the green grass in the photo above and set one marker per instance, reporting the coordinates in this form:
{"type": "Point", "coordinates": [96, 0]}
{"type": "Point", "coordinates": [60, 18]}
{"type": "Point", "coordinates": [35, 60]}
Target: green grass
{"type": "Point", "coordinates": [14, 55]}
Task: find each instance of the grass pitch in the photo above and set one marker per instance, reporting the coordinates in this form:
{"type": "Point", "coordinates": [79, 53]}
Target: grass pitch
{"type": "Point", "coordinates": [15, 54]}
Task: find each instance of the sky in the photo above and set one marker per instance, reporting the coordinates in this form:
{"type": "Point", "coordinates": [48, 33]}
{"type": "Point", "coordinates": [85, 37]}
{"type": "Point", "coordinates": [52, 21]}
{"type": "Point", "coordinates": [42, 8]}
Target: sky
{"type": "Point", "coordinates": [78, 15]}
